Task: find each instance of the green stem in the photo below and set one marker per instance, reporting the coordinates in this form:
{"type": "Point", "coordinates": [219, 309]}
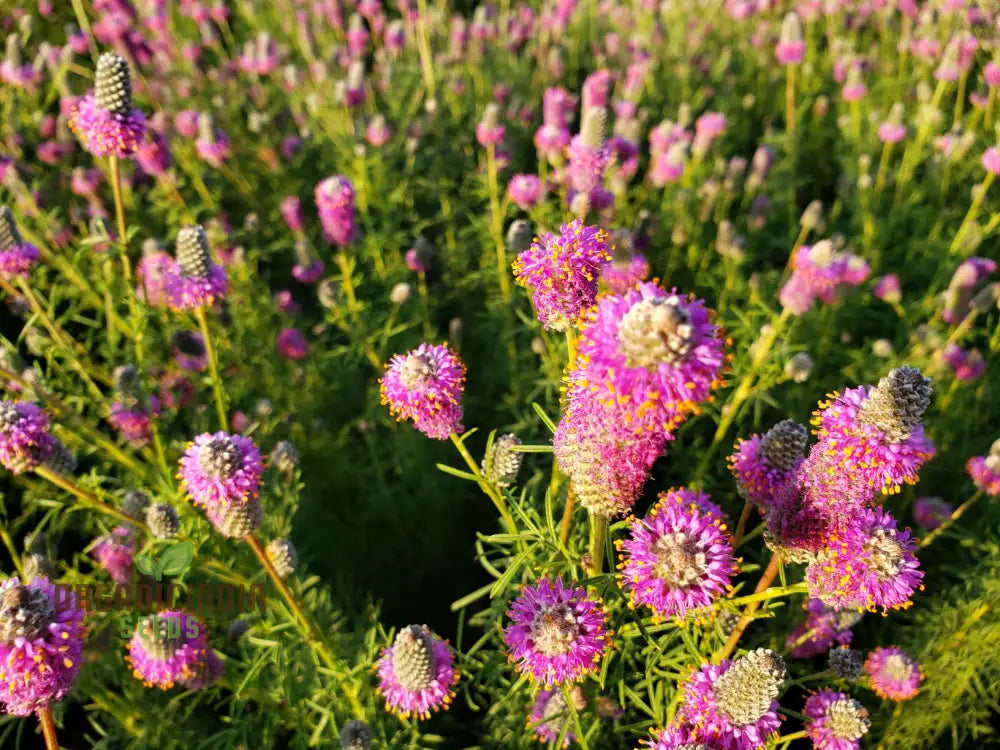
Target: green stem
{"type": "Point", "coordinates": [133, 308]}
{"type": "Point", "coordinates": [970, 216]}
{"type": "Point", "coordinates": [770, 573]}
{"type": "Point", "coordinates": [496, 221]}
{"type": "Point", "coordinates": [489, 490]}
{"type": "Point", "coordinates": [598, 534]}
{"type": "Point", "coordinates": [213, 367]}
{"type": "Point", "coordinates": [48, 728]}
{"type": "Point", "coordinates": [316, 636]}
{"type": "Point", "coordinates": [950, 521]}
{"type": "Point", "coordinates": [88, 498]}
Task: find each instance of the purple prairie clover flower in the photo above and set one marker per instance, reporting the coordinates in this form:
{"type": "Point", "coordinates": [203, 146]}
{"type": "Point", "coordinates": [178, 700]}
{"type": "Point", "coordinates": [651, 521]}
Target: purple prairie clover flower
{"type": "Point", "coordinates": [791, 47]}
{"type": "Point", "coordinates": [25, 441]}
{"type": "Point", "coordinates": [221, 473]}
{"type": "Point", "coordinates": [189, 350]}
{"type": "Point", "coordinates": [212, 145]}
{"type": "Point", "coordinates": [963, 285]}
{"type": "Point", "coordinates": [818, 271]}
{"type": "Point", "coordinates": [966, 365]}
{"type": "Point", "coordinates": [674, 737]}
{"type": "Point", "coordinates": [419, 257]}
{"type": "Point", "coordinates": [550, 713]}
{"type": "Point", "coordinates": [153, 154]}
{"type": "Point", "coordinates": [621, 275]}
{"type": "Point", "coordinates": [854, 88]}
{"type": "Point", "coordinates": [426, 385]}
{"type": "Point", "coordinates": [105, 120]}
{"type": "Point", "coordinates": [16, 256]}
{"type": "Point", "coordinates": [41, 645]}
{"type": "Point", "coordinates": [835, 721]}
{"type": "Point", "coordinates": [153, 270]}
{"type": "Point", "coordinates": [557, 634]}
{"type": "Point", "coordinates": [171, 648]}
{"type": "Point", "coordinates": [588, 153]}
{"type": "Point", "coordinates": [733, 705]}
{"type": "Point", "coordinates": [887, 289]}
{"type": "Point", "coordinates": [524, 190]}
{"type": "Point", "coordinates": [292, 344]}
{"type": "Point", "coordinates": [308, 269]}
{"type": "Point", "coordinates": [194, 280]}
{"type": "Point", "coordinates": [489, 131]}
{"type": "Point", "coordinates": [378, 132]}
{"type": "Point", "coordinates": [132, 422]}
{"type": "Point", "coordinates": [651, 353]}
{"type": "Point", "coordinates": [551, 140]}
{"type": "Point", "coordinates": [892, 674]}
{"type": "Point", "coordinates": [186, 122]}
{"type": "Point", "coordinates": [930, 512]}
{"type": "Point", "coordinates": [871, 437]}
{"type": "Point", "coordinates": [991, 74]}
{"type": "Point", "coordinates": [669, 166]}
{"type": "Point", "coordinates": [607, 461]}
{"type": "Point", "coordinates": [823, 628]}
{"type": "Point", "coordinates": [335, 201]}
{"type": "Point", "coordinates": [416, 673]}
{"type": "Point", "coordinates": [114, 552]}
{"type": "Point", "coordinates": [984, 470]}
{"type": "Point", "coordinates": [562, 270]}
{"type": "Point", "coordinates": [677, 559]}
{"type": "Point", "coordinates": [991, 160]}
{"type": "Point", "coordinates": [893, 130]}
{"type": "Point", "coordinates": [799, 527]}
{"type": "Point", "coordinates": [291, 212]}
{"type": "Point", "coordinates": [763, 465]}
{"type": "Point", "coordinates": [870, 565]}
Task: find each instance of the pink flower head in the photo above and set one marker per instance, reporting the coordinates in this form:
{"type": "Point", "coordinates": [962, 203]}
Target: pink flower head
{"type": "Point", "coordinates": [963, 285]}
{"type": "Point", "coordinates": [871, 437]}
{"type": "Point", "coordinates": [557, 634]}
{"type": "Point", "coordinates": [416, 673]}
{"type": "Point", "coordinates": [378, 132]}
{"type": "Point", "coordinates": [967, 365]}
{"type": "Point", "coordinates": [153, 269]}
{"type": "Point", "coordinates": [892, 674]}
{"type": "Point", "coordinates": [426, 385]}
{"type": "Point", "coordinates": [870, 565]}
{"type": "Point", "coordinates": [153, 153]}
{"type": "Point", "coordinates": [41, 644]}
{"type": "Point", "coordinates": [764, 465]}
{"type": "Point", "coordinates": [171, 647]}
{"type": "Point", "coordinates": [132, 422]}
{"type": "Point", "coordinates": [790, 53]}
{"type": "Point", "coordinates": [678, 558]}
{"type": "Point", "coordinates": [550, 714]}
{"type": "Point", "coordinates": [16, 256]}
{"type": "Point", "coordinates": [335, 201]}
{"type": "Point", "coordinates": [221, 474]}
{"type": "Point", "coordinates": [562, 271]}
{"type": "Point", "coordinates": [652, 354]}
{"type": "Point", "coordinates": [291, 212]}
{"type": "Point", "coordinates": [588, 153]}
{"type": "Point", "coordinates": [984, 470]}
{"type": "Point", "coordinates": [104, 119]}
{"type": "Point", "coordinates": [292, 344]}
{"type": "Point", "coordinates": [25, 441]}
{"type": "Point", "coordinates": [835, 721]}
{"type": "Point", "coordinates": [212, 144]}
{"type": "Point", "coordinates": [818, 271]}
{"type": "Point", "coordinates": [891, 132]}
{"type": "Point", "coordinates": [621, 275]}
{"type": "Point", "coordinates": [607, 460]}
{"type": "Point", "coordinates": [524, 190]}
{"type": "Point", "coordinates": [991, 74]}
{"type": "Point", "coordinates": [489, 131]}
{"type": "Point", "coordinates": [186, 122]}
{"type": "Point", "coordinates": [551, 140]}
{"type": "Point", "coordinates": [733, 705]}
{"type": "Point", "coordinates": [991, 160]}
{"type": "Point", "coordinates": [823, 628]}
{"type": "Point", "coordinates": [931, 512]}
{"type": "Point", "coordinates": [114, 552]}
{"type": "Point", "coordinates": [887, 288]}
{"type": "Point", "coordinates": [194, 280]}
{"type": "Point", "coordinates": [674, 737]}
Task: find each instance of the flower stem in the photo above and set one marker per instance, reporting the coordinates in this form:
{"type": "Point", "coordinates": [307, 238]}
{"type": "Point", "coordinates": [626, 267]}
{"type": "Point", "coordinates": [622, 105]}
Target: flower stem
{"type": "Point", "coordinates": [790, 103]}
{"type": "Point", "coordinates": [977, 201]}
{"type": "Point", "coordinates": [741, 625]}
{"type": "Point", "coordinates": [213, 367]}
{"type": "Point", "coordinates": [956, 514]}
{"type": "Point", "coordinates": [88, 498]}
{"type": "Point", "coordinates": [741, 525]}
{"type": "Point", "coordinates": [491, 492]}
{"type": "Point", "coordinates": [48, 728]}
{"type": "Point", "coordinates": [315, 635]}
{"type": "Point", "coordinates": [598, 533]}
{"type": "Point", "coordinates": [567, 516]}
{"type": "Point", "coordinates": [133, 308]}
{"type": "Point", "coordinates": [496, 221]}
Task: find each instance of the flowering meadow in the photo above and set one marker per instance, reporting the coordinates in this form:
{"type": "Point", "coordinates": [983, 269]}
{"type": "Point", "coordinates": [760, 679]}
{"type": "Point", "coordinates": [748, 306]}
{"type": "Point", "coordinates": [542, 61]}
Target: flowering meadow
{"type": "Point", "coordinates": [594, 373]}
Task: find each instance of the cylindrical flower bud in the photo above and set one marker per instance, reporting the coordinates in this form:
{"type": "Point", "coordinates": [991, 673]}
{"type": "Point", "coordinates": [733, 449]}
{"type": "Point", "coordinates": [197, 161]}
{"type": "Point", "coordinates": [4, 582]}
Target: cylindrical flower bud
{"type": "Point", "coordinates": [61, 461]}
{"type": "Point", "coordinates": [282, 554]}
{"type": "Point", "coordinates": [783, 446]}
{"type": "Point", "coordinates": [593, 127]}
{"type": "Point", "coordinates": [812, 217]}
{"type": "Point", "coordinates": [400, 293]}
{"type": "Point", "coordinates": [799, 367]}
{"type": "Point", "coordinates": [744, 693]}
{"type": "Point", "coordinates": [284, 457]}
{"type": "Point", "coordinates": [134, 503]}
{"type": "Point", "coordinates": [897, 403]}
{"type": "Point", "coordinates": [504, 461]}
{"type": "Point", "coordinates": [847, 663]}
{"type": "Point", "coordinates": [10, 237]}
{"type": "Point", "coordinates": [193, 254]}
{"type": "Point", "coordinates": [113, 84]}
{"type": "Point", "coordinates": [163, 521]}
{"type": "Point", "coordinates": [356, 735]}
{"type": "Point", "coordinates": [519, 236]}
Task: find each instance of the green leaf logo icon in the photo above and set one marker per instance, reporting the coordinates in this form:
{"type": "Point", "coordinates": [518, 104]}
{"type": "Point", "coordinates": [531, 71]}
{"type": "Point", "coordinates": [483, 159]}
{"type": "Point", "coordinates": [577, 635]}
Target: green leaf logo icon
{"type": "Point", "coordinates": [147, 566]}
{"type": "Point", "coordinates": [176, 559]}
